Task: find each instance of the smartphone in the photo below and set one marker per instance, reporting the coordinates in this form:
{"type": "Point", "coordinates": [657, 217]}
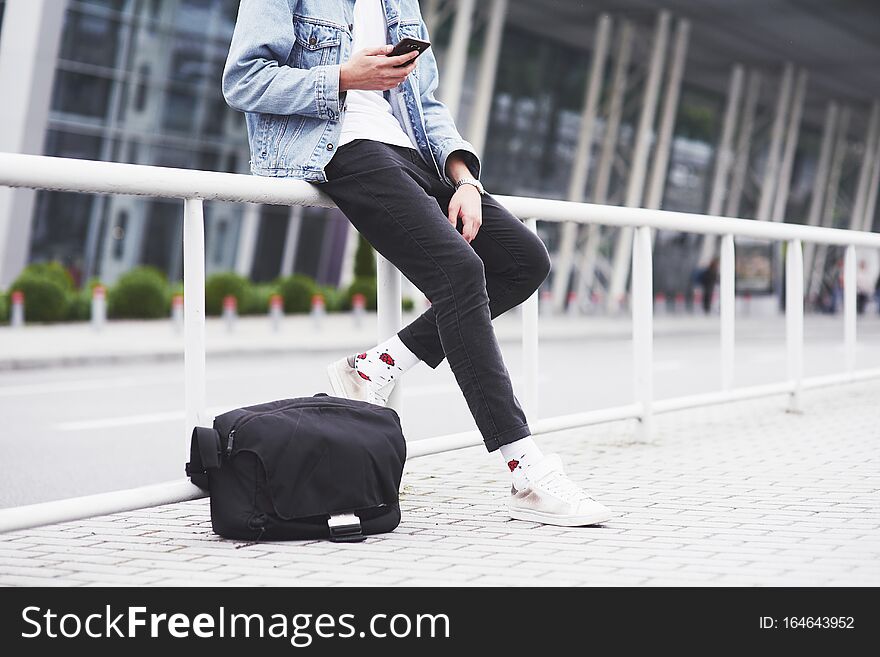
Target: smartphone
{"type": "Point", "coordinates": [408, 44]}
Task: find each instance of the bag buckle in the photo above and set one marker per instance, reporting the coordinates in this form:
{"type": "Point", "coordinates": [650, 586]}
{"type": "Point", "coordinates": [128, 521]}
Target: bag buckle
{"type": "Point", "coordinates": [345, 528]}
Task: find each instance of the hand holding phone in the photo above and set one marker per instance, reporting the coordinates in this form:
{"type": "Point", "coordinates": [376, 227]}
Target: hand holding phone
{"type": "Point", "coordinates": [370, 69]}
{"type": "Point", "coordinates": [409, 44]}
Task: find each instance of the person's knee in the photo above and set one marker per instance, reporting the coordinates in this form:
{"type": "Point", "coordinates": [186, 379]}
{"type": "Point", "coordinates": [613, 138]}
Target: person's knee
{"type": "Point", "coordinates": [537, 266]}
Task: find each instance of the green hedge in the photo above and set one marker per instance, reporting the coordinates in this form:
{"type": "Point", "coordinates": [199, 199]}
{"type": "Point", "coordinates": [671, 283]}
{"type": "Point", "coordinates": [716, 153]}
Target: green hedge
{"type": "Point", "coordinates": [256, 298]}
{"type": "Point", "coordinates": [46, 299]}
{"type": "Point", "coordinates": [365, 286]}
{"type": "Point", "coordinates": [141, 293]}
{"type": "Point", "coordinates": [297, 291]}
{"type": "Point", "coordinates": [219, 286]}
{"type": "Point", "coordinates": [144, 293]}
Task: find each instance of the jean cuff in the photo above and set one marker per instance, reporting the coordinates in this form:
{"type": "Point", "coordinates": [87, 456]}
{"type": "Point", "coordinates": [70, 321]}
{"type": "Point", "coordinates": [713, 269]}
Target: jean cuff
{"type": "Point", "coordinates": [507, 437]}
{"type": "Point", "coordinates": [409, 341]}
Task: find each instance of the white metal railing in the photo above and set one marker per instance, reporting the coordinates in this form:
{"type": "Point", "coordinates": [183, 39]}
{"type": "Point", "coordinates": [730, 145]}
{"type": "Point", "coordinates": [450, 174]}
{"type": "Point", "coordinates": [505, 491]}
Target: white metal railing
{"type": "Point", "coordinates": [195, 187]}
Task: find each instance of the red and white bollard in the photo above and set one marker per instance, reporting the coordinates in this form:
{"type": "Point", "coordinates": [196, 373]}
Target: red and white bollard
{"type": "Point", "coordinates": [572, 306]}
{"type": "Point", "coordinates": [659, 304]}
{"type": "Point", "coordinates": [99, 307]}
{"type": "Point", "coordinates": [679, 302]}
{"type": "Point", "coordinates": [230, 311]}
{"type": "Point", "coordinates": [276, 311]}
{"type": "Point", "coordinates": [545, 302]}
{"type": "Point", "coordinates": [16, 317]}
{"type": "Point", "coordinates": [318, 309]}
{"type": "Point", "coordinates": [358, 308]}
{"type": "Point", "coordinates": [177, 312]}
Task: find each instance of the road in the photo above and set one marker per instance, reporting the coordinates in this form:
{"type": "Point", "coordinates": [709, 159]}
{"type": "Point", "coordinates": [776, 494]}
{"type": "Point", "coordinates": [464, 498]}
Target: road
{"type": "Point", "coordinates": [80, 430]}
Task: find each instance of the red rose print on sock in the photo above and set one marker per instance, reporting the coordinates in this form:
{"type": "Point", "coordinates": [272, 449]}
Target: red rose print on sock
{"type": "Point", "coordinates": [512, 464]}
{"type": "Point", "coordinates": [362, 356]}
{"type": "Point", "coordinates": [387, 359]}
{"type": "Point", "coordinates": [364, 376]}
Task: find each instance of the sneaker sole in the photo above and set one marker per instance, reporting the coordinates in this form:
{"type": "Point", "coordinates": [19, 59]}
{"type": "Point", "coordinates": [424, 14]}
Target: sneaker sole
{"type": "Point", "coordinates": [561, 521]}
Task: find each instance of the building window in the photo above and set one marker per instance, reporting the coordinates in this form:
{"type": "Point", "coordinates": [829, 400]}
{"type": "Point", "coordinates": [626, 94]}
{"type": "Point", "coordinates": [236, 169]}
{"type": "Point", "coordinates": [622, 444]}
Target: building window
{"type": "Point", "coordinates": [90, 38]}
{"type": "Point", "coordinates": [81, 94]}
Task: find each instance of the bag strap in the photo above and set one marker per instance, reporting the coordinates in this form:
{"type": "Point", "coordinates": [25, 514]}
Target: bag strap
{"type": "Point", "coordinates": [204, 455]}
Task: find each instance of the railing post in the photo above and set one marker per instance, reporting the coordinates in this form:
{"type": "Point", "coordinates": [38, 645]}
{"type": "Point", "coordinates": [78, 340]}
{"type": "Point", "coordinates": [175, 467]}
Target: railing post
{"type": "Point", "coordinates": [643, 328]}
{"type": "Point", "coordinates": [794, 319]}
{"type": "Point", "coordinates": [728, 310]}
{"type": "Point", "coordinates": [389, 315]}
{"type": "Point", "coordinates": [849, 308]}
{"type": "Point", "coordinates": [195, 396]}
{"type": "Point", "coordinates": [530, 346]}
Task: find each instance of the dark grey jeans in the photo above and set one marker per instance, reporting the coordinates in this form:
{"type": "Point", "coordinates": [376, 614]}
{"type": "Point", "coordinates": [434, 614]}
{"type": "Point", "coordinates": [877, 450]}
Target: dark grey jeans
{"type": "Point", "coordinates": [399, 204]}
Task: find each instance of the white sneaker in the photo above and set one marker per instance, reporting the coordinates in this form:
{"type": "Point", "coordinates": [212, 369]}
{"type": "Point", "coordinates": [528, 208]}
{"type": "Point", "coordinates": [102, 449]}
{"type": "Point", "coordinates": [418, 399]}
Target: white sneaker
{"type": "Point", "coordinates": [347, 382]}
{"type": "Point", "coordinates": [550, 497]}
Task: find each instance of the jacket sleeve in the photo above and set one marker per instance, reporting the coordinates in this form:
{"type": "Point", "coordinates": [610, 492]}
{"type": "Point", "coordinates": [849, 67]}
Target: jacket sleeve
{"type": "Point", "coordinates": [443, 137]}
{"type": "Point", "coordinates": [255, 78]}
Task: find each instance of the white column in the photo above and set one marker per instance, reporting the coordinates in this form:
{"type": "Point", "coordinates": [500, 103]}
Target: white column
{"type": "Point", "coordinates": [530, 347]}
{"type": "Point", "coordinates": [29, 46]}
{"type": "Point", "coordinates": [636, 182]}
{"type": "Point", "coordinates": [622, 56]}
{"type": "Point", "coordinates": [780, 202]}
{"type": "Point", "coordinates": [820, 184]}
{"type": "Point", "coordinates": [743, 144]}
{"type": "Point", "coordinates": [389, 314]}
{"type": "Point", "coordinates": [643, 328]}
{"type": "Point", "coordinates": [660, 166]}
{"type": "Point", "coordinates": [728, 310]}
{"type": "Point", "coordinates": [723, 158]}
{"type": "Point", "coordinates": [195, 395]}
{"type": "Point", "coordinates": [865, 172]}
{"type": "Point", "coordinates": [431, 15]}
{"type": "Point", "coordinates": [247, 239]}
{"type": "Point", "coordinates": [827, 219]}
{"type": "Point", "coordinates": [849, 308]}
{"type": "Point", "coordinates": [291, 240]}
{"type": "Point", "coordinates": [770, 181]}
{"type": "Point", "coordinates": [352, 239]}
{"type": "Point", "coordinates": [582, 156]}
{"type": "Point", "coordinates": [794, 319]}
{"type": "Point", "coordinates": [456, 56]}
{"type": "Point", "coordinates": [484, 92]}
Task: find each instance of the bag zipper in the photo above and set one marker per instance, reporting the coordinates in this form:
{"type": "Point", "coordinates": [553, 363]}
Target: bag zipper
{"type": "Point", "coordinates": [230, 437]}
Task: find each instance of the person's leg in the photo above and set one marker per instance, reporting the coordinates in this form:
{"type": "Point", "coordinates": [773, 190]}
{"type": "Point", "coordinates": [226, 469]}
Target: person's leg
{"type": "Point", "coordinates": [515, 261]}
{"type": "Point", "coordinates": [385, 196]}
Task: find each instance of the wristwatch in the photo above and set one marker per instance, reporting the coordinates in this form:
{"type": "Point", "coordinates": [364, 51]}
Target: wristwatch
{"type": "Point", "coordinates": [470, 181]}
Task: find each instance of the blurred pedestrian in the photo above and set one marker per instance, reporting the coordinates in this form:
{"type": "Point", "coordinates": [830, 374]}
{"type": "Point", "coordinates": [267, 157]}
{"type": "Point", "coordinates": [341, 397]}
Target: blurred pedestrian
{"type": "Point", "coordinates": [708, 280]}
{"type": "Point", "coordinates": [864, 286]}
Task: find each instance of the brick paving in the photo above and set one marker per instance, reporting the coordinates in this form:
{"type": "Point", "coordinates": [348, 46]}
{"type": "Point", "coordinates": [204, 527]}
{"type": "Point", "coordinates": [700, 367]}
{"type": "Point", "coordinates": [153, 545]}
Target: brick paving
{"type": "Point", "coordinates": [737, 494]}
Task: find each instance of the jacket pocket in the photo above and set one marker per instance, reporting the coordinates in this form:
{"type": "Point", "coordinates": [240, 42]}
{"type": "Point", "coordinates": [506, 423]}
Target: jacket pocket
{"type": "Point", "coordinates": [317, 44]}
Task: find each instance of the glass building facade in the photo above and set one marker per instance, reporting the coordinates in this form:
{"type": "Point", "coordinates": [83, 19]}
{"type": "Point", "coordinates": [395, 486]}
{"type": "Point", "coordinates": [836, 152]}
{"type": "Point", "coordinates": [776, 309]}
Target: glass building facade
{"type": "Point", "coordinates": [139, 81]}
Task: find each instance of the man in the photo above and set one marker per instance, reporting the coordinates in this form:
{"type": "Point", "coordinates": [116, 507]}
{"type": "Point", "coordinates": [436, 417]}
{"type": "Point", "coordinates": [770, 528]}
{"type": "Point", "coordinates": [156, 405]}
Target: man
{"type": "Point", "coordinates": [325, 103]}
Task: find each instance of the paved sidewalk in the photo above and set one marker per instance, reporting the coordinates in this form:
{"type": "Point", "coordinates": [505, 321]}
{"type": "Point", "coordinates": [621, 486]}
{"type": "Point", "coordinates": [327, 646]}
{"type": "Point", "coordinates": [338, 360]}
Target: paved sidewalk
{"type": "Point", "coordinates": [57, 345]}
{"type": "Point", "coordinates": [738, 494]}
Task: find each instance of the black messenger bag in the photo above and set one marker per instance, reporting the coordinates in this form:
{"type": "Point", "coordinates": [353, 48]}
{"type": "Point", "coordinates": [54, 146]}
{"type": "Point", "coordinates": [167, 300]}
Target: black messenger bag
{"type": "Point", "coordinates": [304, 468]}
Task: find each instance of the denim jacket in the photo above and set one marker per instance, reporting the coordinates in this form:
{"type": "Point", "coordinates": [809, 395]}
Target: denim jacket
{"type": "Point", "coordinates": [282, 71]}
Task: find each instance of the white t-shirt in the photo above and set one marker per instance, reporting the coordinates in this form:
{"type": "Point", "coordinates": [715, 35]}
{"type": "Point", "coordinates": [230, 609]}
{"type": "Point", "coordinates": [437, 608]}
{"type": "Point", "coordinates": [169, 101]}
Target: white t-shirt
{"type": "Point", "coordinates": [367, 114]}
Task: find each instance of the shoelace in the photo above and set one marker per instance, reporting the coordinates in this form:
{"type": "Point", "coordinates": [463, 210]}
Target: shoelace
{"type": "Point", "coordinates": [558, 483]}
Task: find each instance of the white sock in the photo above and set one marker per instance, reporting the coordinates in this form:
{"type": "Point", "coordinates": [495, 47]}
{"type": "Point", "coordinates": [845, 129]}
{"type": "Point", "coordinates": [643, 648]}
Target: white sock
{"type": "Point", "coordinates": [519, 455]}
{"type": "Point", "coordinates": [384, 363]}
